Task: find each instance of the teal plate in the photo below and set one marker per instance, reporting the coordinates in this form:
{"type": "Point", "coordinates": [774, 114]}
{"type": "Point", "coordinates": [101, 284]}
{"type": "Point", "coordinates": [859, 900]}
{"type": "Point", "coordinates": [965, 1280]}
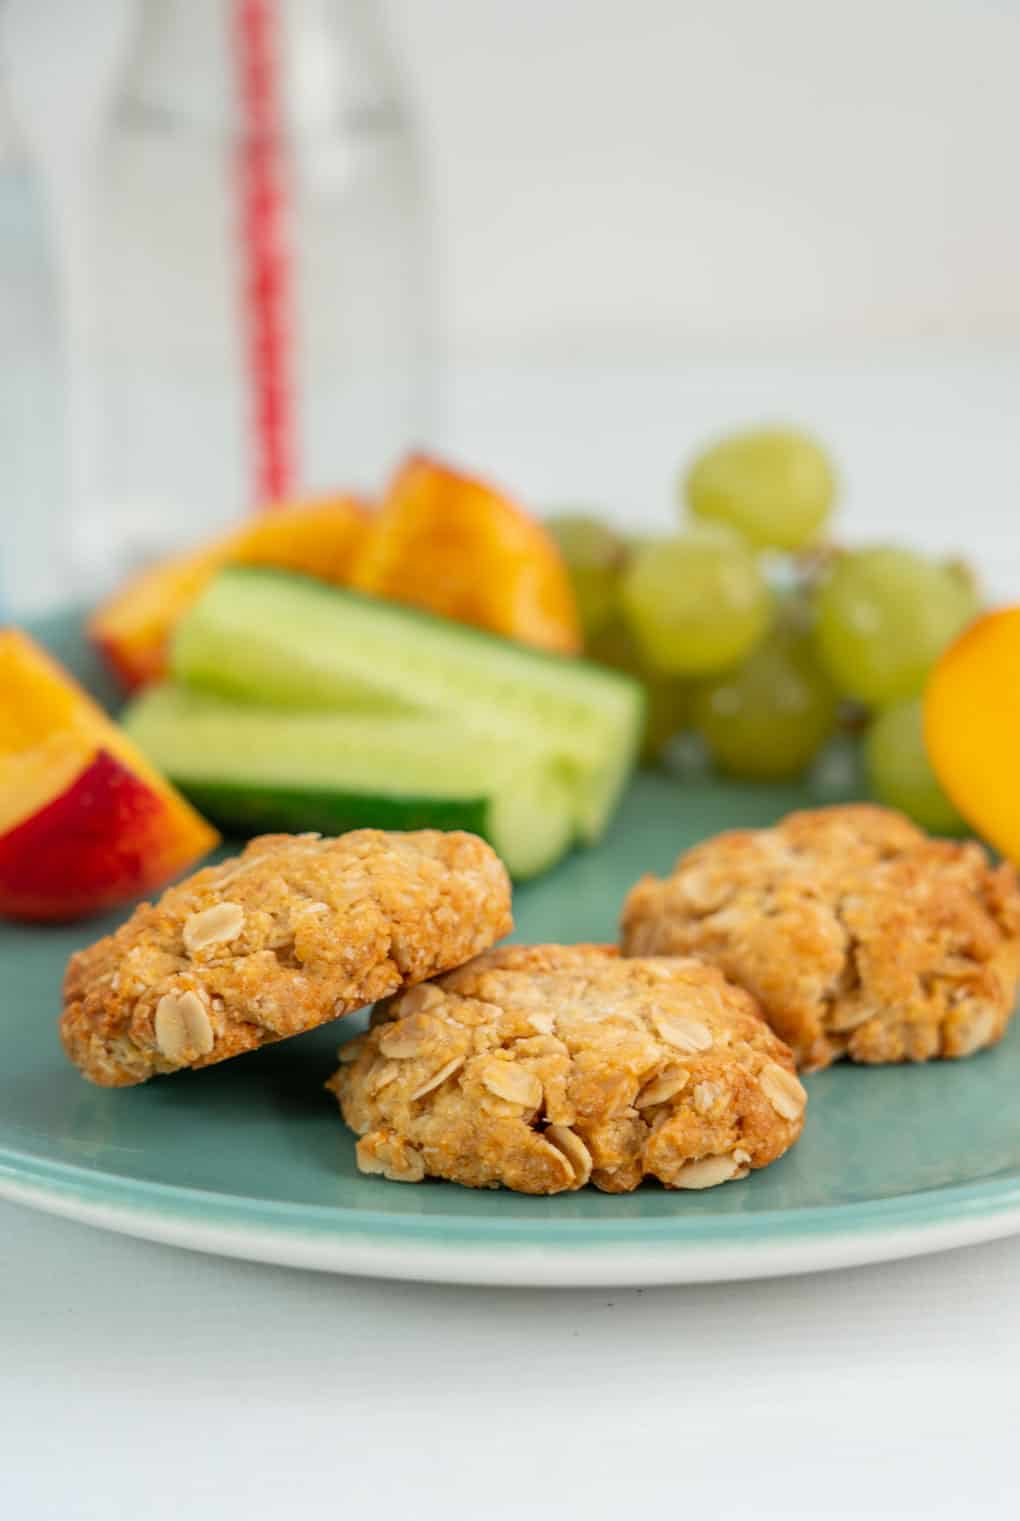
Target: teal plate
{"type": "Point", "coordinates": [250, 1158]}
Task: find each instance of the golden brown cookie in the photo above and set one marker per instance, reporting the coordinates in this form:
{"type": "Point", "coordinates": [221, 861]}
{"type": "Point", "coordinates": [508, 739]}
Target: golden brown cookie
{"type": "Point", "coordinates": [544, 1067]}
{"type": "Point", "coordinates": [859, 935]}
{"type": "Point", "coordinates": [295, 931]}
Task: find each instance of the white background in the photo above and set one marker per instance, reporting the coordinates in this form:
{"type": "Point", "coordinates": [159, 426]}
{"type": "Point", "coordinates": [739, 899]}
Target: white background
{"type": "Point", "coordinates": [655, 176]}
{"type": "Point", "coordinates": [655, 216]}
{"type": "Point", "coordinates": [642, 174]}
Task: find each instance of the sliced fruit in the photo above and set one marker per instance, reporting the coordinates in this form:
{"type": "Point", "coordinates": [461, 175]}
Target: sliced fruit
{"type": "Point", "coordinates": [972, 726]}
{"type": "Point", "coordinates": [256, 769]}
{"type": "Point", "coordinates": [85, 821]}
{"type": "Point", "coordinates": [132, 629]}
{"type": "Point", "coordinates": [287, 641]}
{"type": "Point", "coordinates": [447, 543]}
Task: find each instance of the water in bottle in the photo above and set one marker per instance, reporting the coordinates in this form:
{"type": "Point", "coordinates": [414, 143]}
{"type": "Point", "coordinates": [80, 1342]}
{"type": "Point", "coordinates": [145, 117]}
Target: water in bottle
{"type": "Point", "coordinates": [264, 316]}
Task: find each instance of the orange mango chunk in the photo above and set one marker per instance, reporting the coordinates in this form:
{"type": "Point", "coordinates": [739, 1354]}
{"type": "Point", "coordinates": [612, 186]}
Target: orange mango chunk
{"type": "Point", "coordinates": [86, 823]}
{"type": "Point", "coordinates": [972, 727]}
{"type": "Point", "coordinates": [132, 630]}
{"type": "Point", "coordinates": [450, 544]}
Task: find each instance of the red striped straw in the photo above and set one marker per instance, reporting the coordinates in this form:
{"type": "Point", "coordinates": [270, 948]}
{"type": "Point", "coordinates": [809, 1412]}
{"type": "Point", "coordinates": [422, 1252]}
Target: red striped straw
{"type": "Point", "coordinates": [264, 257]}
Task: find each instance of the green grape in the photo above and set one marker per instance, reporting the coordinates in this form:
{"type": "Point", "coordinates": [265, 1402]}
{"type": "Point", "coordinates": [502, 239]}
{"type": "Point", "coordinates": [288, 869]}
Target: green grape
{"type": "Point", "coordinates": [697, 603]}
{"type": "Point", "coordinates": [594, 557]}
{"type": "Point", "coordinates": [774, 485]}
{"type": "Point", "coordinates": [884, 616]}
{"type": "Point", "coordinates": [768, 719]}
{"type": "Point", "coordinates": [900, 772]}
{"type": "Point", "coordinates": [667, 698]}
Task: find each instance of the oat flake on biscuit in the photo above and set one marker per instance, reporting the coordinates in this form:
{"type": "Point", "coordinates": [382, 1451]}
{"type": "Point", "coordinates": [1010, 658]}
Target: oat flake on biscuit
{"type": "Point", "coordinates": [295, 931]}
{"type": "Point", "coordinates": [859, 935]}
{"type": "Point", "coordinates": [541, 1068]}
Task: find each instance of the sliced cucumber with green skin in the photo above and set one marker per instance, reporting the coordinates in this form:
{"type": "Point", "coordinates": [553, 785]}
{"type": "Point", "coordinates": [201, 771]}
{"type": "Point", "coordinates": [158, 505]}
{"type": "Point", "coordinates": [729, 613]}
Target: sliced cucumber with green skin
{"type": "Point", "coordinates": [278, 639]}
{"type": "Point", "coordinates": [254, 769]}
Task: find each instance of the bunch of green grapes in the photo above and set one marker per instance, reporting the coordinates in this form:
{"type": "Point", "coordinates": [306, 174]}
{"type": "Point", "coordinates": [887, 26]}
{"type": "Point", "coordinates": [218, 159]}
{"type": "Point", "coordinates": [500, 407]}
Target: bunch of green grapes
{"type": "Point", "coordinates": [749, 629]}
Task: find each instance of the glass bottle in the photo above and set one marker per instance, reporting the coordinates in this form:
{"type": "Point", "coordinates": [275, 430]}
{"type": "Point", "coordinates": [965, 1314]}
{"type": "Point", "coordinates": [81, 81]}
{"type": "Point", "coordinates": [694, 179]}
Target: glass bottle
{"type": "Point", "coordinates": [33, 566]}
{"type": "Point", "coordinates": [264, 303]}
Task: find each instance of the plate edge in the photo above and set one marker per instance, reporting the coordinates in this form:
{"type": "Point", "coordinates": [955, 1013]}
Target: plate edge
{"type": "Point", "coordinates": [507, 1264]}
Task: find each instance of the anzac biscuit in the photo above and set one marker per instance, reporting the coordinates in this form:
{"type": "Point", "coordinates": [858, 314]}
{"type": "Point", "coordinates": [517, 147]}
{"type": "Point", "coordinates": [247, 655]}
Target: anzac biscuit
{"type": "Point", "coordinates": [858, 934]}
{"type": "Point", "coordinates": [295, 931]}
{"type": "Point", "coordinates": [542, 1068]}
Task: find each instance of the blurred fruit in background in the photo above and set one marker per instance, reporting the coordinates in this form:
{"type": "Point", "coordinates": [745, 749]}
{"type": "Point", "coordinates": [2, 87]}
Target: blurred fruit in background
{"type": "Point", "coordinates": [767, 646]}
{"type": "Point", "coordinates": [972, 726]}
{"type": "Point", "coordinates": [885, 615]}
{"type": "Point", "coordinates": [444, 541]}
{"type": "Point", "coordinates": [440, 540]}
{"type": "Point", "coordinates": [595, 555]}
{"type": "Point", "coordinates": [695, 603]}
{"type": "Point", "coordinates": [767, 719]}
{"type": "Point", "coordinates": [900, 771]}
{"type": "Point", "coordinates": [132, 628]}
{"type": "Point", "coordinates": [776, 486]}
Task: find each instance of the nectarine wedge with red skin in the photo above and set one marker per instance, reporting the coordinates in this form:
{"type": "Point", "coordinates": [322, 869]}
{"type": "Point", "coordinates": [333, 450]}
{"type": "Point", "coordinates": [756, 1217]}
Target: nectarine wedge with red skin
{"type": "Point", "coordinates": [86, 822]}
{"type": "Point", "coordinates": [106, 839]}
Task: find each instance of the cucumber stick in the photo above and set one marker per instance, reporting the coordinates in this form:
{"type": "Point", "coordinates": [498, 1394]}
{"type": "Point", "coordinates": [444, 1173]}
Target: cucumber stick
{"type": "Point", "coordinates": [255, 769]}
{"type": "Point", "coordinates": [283, 640]}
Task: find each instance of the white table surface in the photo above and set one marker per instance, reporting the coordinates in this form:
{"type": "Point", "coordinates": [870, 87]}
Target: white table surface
{"type": "Point", "coordinates": [140, 1381]}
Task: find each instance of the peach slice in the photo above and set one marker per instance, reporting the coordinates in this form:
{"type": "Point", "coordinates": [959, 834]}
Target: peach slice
{"type": "Point", "coordinates": [86, 823]}
{"type": "Point", "coordinates": [972, 726]}
{"type": "Point", "coordinates": [132, 629]}
{"type": "Point", "coordinates": [455, 546]}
